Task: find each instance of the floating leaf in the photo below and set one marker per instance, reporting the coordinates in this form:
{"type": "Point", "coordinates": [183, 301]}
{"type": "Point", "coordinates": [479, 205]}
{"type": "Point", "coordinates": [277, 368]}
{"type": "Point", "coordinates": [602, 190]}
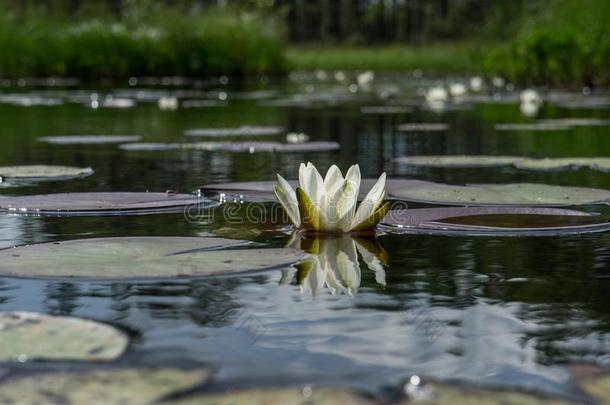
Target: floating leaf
{"type": "Point", "coordinates": [98, 203]}
{"type": "Point", "coordinates": [390, 109]}
{"type": "Point", "coordinates": [458, 160]}
{"type": "Point", "coordinates": [423, 127]}
{"type": "Point", "coordinates": [453, 394]}
{"type": "Point", "coordinates": [245, 130]}
{"type": "Point", "coordinates": [43, 172]}
{"type": "Point", "coordinates": [507, 221]}
{"type": "Point", "coordinates": [89, 139]}
{"type": "Point", "coordinates": [602, 164]}
{"type": "Point", "coordinates": [528, 194]}
{"type": "Point", "coordinates": [577, 122]}
{"type": "Point", "coordinates": [538, 126]}
{"type": "Point", "coordinates": [286, 396]}
{"type": "Point", "coordinates": [99, 387]}
{"type": "Point", "coordinates": [255, 147]}
{"type": "Point", "coordinates": [149, 146]}
{"type": "Point", "coordinates": [140, 257]}
{"type": "Point", "coordinates": [33, 336]}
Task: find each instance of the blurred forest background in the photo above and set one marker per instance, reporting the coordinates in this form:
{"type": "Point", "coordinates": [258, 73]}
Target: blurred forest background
{"type": "Point", "coordinates": [527, 41]}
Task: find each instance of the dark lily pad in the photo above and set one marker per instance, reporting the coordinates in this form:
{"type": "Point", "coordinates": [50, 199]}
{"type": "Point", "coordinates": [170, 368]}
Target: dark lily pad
{"type": "Point", "coordinates": [140, 257]}
{"type": "Point", "coordinates": [111, 203]}
{"type": "Point", "coordinates": [526, 194]}
{"type": "Point", "coordinates": [389, 109]}
{"type": "Point", "coordinates": [511, 221]}
{"type": "Point", "coordinates": [283, 396]}
{"type": "Point", "coordinates": [263, 190]}
{"type": "Point", "coordinates": [458, 160]}
{"type": "Point", "coordinates": [31, 336]}
{"type": "Point", "coordinates": [423, 127]}
{"type": "Point", "coordinates": [577, 122]}
{"type": "Point", "coordinates": [149, 146]}
{"type": "Point", "coordinates": [43, 172]}
{"type": "Point", "coordinates": [245, 130]}
{"type": "Point", "coordinates": [105, 386]}
{"type": "Point", "coordinates": [596, 163]}
{"type": "Point", "coordinates": [89, 139]}
{"type": "Point", "coordinates": [537, 126]}
{"type": "Point", "coordinates": [256, 147]}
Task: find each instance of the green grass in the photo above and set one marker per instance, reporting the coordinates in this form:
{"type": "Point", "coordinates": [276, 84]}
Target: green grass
{"type": "Point", "coordinates": [165, 42]}
{"type": "Point", "coordinates": [442, 58]}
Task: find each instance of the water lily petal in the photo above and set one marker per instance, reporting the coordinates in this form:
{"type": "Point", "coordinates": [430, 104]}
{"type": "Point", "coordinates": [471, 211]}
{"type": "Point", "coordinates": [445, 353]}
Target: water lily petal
{"type": "Point", "coordinates": [311, 182]}
{"type": "Point", "coordinates": [348, 200]}
{"type": "Point", "coordinates": [288, 199]}
{"type": "Point", "coordinates": [369, 205]}
{"type": "Point", "coordinates": [309, 212]}
{"type": "Point", "coordinates": [333, 179]}
{"type": "Point", "coordinates": [373, 219]}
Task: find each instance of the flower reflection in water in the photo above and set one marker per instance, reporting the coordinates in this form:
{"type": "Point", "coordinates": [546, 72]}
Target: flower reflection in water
{"type": "Point", "coordinates": [334, 262]}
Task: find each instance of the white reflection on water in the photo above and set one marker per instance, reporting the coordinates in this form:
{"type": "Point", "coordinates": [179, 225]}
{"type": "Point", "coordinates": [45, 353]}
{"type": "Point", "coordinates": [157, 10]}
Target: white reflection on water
{"type": "Point", "coordinates": [334, 263]}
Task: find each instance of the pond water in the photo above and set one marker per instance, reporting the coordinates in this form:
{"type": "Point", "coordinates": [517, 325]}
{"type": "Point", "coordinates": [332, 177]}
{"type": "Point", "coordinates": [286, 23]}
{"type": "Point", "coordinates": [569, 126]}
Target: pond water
{"type": "Point", "coordinates": [504, 311]}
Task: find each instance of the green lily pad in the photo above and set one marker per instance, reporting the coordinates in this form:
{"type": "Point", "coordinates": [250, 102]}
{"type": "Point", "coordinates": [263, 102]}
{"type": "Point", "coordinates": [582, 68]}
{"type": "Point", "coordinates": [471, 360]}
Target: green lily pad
{"type": "Point", "coordinates": [286, 396]}
{"type": "Point", "coordinates": [111, 203]}
{"type": "Point", "coordinates": [99, 387]}
{"type": "Point", "coordinates": [89, 139]}
{"type": "Point", "coordinates": [140, 257]}
{"type": "Point", "coordinates": [536, 126]}
{"type": "Point", "coordinates": [527, 194]}
{"type": "Point", "coordinates": [43, 172]}
{"type": "Point", "coordinates": [449, 394]}
{"type": "Point", "coordinates": [149, 146]}
{"type": "Point", "coordinates": [458, 160]}
{"type": "Point", "coordinates": [386, 109]}
{"type": "Point", "coordinates": [600, 163]}
{"type": "Point", "coordinates": [577, 122]}
{"type": "Point", "coordinates": [256, 147]}
{"type": "Point", "coordinates": [423, 127]}
{"type": "Point", "coordinates": [33, 336]}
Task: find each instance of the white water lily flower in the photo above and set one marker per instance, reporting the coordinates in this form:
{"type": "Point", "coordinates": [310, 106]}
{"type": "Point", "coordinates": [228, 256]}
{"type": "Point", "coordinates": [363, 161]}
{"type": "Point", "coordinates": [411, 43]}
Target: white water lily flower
{"type": "Point", "coordinates": [457, 90]}
{"type": "Point", "coordinates": [436, 95]}
{"type": "Point", "coordinates": [330, 204]}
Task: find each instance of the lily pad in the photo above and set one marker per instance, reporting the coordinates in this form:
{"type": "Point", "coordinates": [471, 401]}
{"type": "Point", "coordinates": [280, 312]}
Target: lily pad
{"type": "Point", "coordinates": [263, 190]}
{"type": "Point", "coordinates": [527, 194]}
{"type": "Point", "coordinates": [423, 127]}
{"type": "Point", "coordinates": [89, 139]}
{"type": "Point", "coordinates": [32, 336]}
{"type": "Point", "coordinates": [149, 146]}
{"type": "Point", "coordinates": [43, 172]}
{"type": "Point", "coordinates": [436, 393]}
{"type": "Point", "coordinates": [537, 126]}
{"type": "Point", "coordinates": [286, 396]}
{"type": "Point", "coordinates": [111, 203]}
{"type": "Point", "coordinates": [140, 257]}
{"type": "Point", "coordinates": [245, 130]}
{"type": "Point", "coordinates": [600, 163]}
{"type": "Point", "coordinates": [255, 147]}
{"type": "Point", "coordinates": [100, 387]}
{"type": "Point", "coordinates": [390, 109]}
{"type": "Point", "coordinates": [507, 221]}
{"type": "Point", "coordinates": [458, 160]}
{"type": "Point", "coordinates": [577, 122]}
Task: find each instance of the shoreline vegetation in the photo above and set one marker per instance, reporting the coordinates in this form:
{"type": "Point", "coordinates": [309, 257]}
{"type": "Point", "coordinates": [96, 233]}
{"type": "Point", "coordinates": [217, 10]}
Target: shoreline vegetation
{"type": "Point", "coordinates": [560, 43]}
